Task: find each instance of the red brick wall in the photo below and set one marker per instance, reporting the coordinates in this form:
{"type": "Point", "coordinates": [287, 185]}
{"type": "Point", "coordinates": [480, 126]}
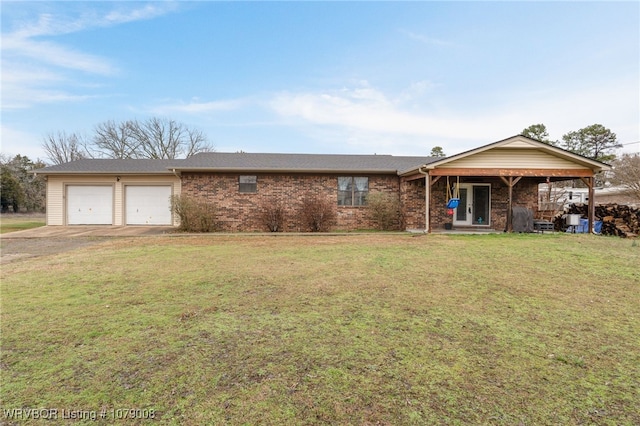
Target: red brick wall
{"type": "Point", "coordinates": [525, 194]}
{"type": "Point", "coordinates": [241, 212]}
{"type": "Point", "coordinates": [412, 197]}
{"type": "Point", "coordinates": [438, 202]}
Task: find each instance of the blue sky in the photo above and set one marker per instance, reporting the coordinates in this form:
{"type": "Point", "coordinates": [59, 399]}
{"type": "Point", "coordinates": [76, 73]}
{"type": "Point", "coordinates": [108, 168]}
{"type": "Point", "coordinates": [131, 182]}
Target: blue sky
{"type": "Point", "coordinates": [322, 77]}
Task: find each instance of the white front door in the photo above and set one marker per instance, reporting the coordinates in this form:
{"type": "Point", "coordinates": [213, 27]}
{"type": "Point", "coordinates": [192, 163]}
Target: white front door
{"type": "Point", "coordinates": [475, 205]}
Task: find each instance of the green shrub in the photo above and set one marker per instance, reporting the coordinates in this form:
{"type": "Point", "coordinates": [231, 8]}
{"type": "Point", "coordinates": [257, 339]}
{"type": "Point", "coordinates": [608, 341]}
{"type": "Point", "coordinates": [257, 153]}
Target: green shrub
{"type": "Point", "coordinates": [385, 211]}
{"type": "Point", "coordinates": [195, 215]}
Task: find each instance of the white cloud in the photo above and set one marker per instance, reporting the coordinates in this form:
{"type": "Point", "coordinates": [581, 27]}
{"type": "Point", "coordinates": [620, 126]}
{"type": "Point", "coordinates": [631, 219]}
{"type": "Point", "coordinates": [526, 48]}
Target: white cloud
{"type": "Point", "coordinates": [149, 11]}
{"type": "Point", "coordinates": [416, 91]}
{"type": "Point", "coordinates": [48, 24]}
{"type": "Point", "coordinates": [23, 86]}
{"type": "Point", "coordinates": [367, 109]}
{"type": "Point", "coordinates": [21, 74]}
{"type": "Point", "coordinates": [432, 41]}
{"type": "Point", "coordinates": [31, 50]}
{"type": "Point", "coordinates": [368, 118]}
{"type": "Point", "coordinates": [614, 104]}
{"type": "Point", "coordinates": [197, 107]}
{"type": "Point", "coordinates": [53, 54]}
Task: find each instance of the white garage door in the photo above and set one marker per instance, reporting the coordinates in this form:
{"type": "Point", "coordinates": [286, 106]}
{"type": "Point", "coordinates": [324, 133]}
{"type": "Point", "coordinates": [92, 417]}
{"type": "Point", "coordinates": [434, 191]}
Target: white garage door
{"type": "Point", "coordinates": [89, 205]}
{"type": "Point", "coordinates": [148, 205]}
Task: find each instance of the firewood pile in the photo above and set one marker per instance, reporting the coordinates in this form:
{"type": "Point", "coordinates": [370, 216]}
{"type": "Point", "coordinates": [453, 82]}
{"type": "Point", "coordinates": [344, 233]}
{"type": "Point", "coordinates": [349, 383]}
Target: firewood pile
{"type": "Point", "coordinates": [617, 219]}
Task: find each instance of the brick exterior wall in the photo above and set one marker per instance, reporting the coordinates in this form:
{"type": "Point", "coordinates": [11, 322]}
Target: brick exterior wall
{"type": "Point", "coordinates": [412, 198]}
{"type": "Point", "coordinates": [240, 212]}
{"type": "Point", "coordinates": [525, 194]}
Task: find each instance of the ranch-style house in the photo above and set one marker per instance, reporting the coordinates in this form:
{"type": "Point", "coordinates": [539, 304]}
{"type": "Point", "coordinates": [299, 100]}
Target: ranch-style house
{"type": "Point", "coordinates": [489, 182]}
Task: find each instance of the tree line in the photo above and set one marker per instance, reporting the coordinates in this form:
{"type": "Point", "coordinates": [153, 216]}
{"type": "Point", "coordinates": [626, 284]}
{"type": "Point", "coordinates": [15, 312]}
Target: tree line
{"type": "Point", "coordinates": [595, 142]}
{"type": "Point", "coordinates": [20, 190]}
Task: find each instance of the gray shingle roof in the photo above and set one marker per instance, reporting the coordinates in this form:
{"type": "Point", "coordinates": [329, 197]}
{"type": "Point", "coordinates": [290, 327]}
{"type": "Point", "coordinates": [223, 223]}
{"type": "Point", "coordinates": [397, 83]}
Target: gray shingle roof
{"type": "Point", "coordinates": [245, 162]}
{"type": "Point", "coordinates": [301, 163]}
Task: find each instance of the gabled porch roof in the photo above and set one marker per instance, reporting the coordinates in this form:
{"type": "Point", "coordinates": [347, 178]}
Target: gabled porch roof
{"type": "Point", "coordinates": [511, 160]}
{"type": "Point", "coordinates": [515, 156]}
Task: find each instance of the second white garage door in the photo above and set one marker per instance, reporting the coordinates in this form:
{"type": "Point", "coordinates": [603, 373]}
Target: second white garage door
{"type": "Point", "coordinates": [148, 205]}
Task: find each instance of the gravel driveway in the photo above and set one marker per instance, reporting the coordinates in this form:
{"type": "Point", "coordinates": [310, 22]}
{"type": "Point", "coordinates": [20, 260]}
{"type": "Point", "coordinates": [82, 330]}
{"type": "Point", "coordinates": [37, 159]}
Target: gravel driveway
{"type": "Point", "coordinates": [16, 249]}
{"type": "Point", "coordinates": [48, 240]}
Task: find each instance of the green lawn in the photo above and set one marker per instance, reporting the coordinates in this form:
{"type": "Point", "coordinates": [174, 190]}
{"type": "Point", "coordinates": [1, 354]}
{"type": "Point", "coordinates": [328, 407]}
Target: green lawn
{"type": "Point", "coordinates": [354, 329]}
{"type": "Point", "coordinates": [9, 223]}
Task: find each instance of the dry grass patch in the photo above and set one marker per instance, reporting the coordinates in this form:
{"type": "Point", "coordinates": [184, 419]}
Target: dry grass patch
{"type": "Point", "coordinates": [364, 329]}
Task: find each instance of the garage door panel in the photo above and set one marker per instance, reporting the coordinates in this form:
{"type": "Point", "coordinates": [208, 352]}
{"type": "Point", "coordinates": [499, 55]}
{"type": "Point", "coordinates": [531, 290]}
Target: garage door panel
{"type": "Point", "coordinates": [148, 205]}
{"type": "Point", "coordinates": [89, 205]}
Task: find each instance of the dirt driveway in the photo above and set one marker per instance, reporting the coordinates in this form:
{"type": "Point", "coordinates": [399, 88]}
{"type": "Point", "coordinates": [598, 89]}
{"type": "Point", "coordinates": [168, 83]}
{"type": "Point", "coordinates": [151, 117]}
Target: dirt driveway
{"type": "Point", "coordinates": [57, 239]}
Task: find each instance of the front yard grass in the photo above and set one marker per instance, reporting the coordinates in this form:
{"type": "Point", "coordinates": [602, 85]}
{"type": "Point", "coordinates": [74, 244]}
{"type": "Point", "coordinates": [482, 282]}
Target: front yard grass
{"type": "Point", "coordinates": [353, 329]}
{"type": "Point", "coordinates": [9, 223]}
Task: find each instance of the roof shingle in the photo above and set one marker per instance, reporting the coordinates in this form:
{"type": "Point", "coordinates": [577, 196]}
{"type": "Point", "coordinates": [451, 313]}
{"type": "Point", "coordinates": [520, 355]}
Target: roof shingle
{"type": "Point", "coordinates": [301, 163]}
{"type": "Point", "coordinates": [245, 162]}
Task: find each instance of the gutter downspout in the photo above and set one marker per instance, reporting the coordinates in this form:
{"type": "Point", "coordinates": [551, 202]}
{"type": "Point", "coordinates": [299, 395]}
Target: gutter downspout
{"type": "Point", "coordinates": [427, 196]}
{"type": "Point", "coordinates": [174, 220]}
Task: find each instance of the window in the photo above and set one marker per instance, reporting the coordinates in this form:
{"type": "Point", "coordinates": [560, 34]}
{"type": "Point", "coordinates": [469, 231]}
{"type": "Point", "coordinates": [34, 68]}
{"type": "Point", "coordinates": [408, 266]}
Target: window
{"type": "Point", "coordinates": [352, 191]}
{"type": "Point", "coordinates": [248, 184]}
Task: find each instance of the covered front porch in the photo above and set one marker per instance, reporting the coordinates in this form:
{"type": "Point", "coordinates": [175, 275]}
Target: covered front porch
{"type": "Point", "coordinates": [486, 197]}
{"type": "Point", "coordinates": [490, 181]}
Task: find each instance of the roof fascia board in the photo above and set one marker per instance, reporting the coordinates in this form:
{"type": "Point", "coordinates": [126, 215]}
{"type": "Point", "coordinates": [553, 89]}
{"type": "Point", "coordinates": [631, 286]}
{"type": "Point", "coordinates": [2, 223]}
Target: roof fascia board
{"type": "Point", "coordinates": [103, 173]}
{"type": "Point", "coordinates": [300, 171]}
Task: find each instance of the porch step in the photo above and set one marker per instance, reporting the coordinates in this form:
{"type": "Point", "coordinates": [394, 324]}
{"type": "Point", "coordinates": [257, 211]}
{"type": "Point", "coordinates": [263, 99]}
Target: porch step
{"type": "Point", "coordinates": [466, 230]}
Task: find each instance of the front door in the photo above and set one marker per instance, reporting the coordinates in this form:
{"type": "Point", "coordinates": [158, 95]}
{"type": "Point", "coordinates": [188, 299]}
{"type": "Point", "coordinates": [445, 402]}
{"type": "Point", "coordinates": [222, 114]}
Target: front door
{"type": "Point", "coordinates": [474, 206]}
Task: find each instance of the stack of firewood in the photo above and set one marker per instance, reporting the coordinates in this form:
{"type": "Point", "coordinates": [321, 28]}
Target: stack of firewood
{"type": "Point", "coordinates": [617, 219]}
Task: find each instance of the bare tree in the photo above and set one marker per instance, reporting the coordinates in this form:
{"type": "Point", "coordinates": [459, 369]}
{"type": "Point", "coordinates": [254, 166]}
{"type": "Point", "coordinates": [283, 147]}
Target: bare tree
{"type": "Point", "coordinates": [157, 137]}
{"type": "Point", "coordinates": [115, 140]}
{"type": "Point", "coordinates": [167, 139]}
{"type": "Point", "coordinates": [197, 142]}
{"type": "Point", "coordinates": [152, 138]}
{"type": "Point", "coordinates": [626, 173]}
{"type": "Point", "coordinates": [63, 148]}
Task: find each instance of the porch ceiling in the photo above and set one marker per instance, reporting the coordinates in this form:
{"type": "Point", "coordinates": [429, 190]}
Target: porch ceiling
{"type": "Point", "coordinates": [542, 174]}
